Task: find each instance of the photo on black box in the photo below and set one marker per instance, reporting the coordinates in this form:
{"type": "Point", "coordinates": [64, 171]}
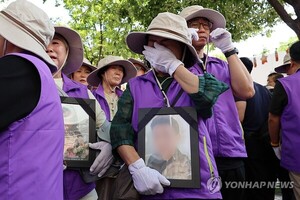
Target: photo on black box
{"type": "Point", "coordinates": [79, 122]}
{"type": "Point", "coordinates": [168, 142]}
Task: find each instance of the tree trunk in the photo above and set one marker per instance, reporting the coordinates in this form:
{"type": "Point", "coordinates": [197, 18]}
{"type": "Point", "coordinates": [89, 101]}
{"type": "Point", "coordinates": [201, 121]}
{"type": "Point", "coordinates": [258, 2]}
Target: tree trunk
{"type": "Point", "coordinates": [294, 24]}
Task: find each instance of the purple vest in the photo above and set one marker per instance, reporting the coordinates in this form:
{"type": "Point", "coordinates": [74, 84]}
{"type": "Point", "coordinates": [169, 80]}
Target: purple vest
{"type": "Point", "coordinates": [224, 127]}
{"type": "Point", "coordinates": [146, 94]}
{"type": "Point", "coordinates": [100, 96]}
{"type": "Point", "coordinates": [32, 148]}
{"type": "Point", "coordinates": [74, 186]}
{"type": "Point", "coordinates": [290, 118]}
{"type": "Point", "coordinates": [74, 89]}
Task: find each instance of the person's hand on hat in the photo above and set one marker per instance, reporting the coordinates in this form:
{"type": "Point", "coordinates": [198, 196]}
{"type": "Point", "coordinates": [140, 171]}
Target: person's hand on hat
{"type": "Point", "coordinates": [161, 58]}
{"type": "Point", "coordinates": [103, 160]}
{"type": "Point", "coordinates": [221, 38]}
{"type": "Point", "coordinates": [147, 181]}
{"type": "Point", "coordinates": [194, 34]}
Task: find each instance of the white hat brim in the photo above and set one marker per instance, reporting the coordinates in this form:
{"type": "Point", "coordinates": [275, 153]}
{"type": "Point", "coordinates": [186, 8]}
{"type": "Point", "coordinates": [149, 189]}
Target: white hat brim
{"type": "Point", "coordinates": [17, 36]}
{"type": "Point", "coordinates": [136, 40]}
{"type": "Point", "coordinates": [75, 56]}
{"type": "Point", "coordinates": [94, 80]}
{"type": "Point", "coordinates": [213, 16]}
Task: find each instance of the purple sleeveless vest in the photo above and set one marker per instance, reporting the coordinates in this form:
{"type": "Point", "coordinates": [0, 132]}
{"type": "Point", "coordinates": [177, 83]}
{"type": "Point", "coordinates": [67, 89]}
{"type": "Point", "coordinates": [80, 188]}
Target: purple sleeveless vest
{"type": "Point", "coordinates": [74, 186]}
{"type": "Point", "coordinates": [290, 118]}
{"type": "Point", "coordinates": [100, 96]}
{"type": "Point", "coordinates": [31, 164]}
{"type": "Point", "coordinates": [74, 89]}
{"type": "Point", "coordinates": [224, 127]}
{"type": "Point", "coordinates": [146, 94]}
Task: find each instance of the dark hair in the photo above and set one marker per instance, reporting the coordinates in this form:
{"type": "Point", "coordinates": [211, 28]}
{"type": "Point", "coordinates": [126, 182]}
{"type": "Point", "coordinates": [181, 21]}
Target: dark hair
{"type": "Point", "coordinates": [248, 63]}
{"type": "Point", "coordinates": [162, 120]}
{"type": "Point", "coordinates": [295, 52]}
{"type": "Point", "coordinates": [276, 75]}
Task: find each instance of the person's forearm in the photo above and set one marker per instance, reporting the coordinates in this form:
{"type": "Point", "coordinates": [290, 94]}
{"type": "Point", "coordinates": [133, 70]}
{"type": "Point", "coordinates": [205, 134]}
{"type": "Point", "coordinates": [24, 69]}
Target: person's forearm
{"type": "Point", "coordinates": [188, 81]}
{"type": "Point", "coordinates": [274, 128]}
{"type": "Point", "coordinates": [128, 154]}
{"type": "Point", "coordinates": [241, 80]}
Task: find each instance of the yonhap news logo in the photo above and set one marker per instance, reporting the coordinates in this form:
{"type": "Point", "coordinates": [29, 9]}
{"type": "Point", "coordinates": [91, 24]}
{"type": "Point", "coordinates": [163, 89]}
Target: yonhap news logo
{"type": "Point", "coordinates": [259, 184]}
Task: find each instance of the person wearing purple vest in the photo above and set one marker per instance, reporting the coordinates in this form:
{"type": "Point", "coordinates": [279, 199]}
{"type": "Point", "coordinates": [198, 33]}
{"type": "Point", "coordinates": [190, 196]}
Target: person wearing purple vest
{"type": "Point", "coordinates": [111, 72]}
{"type": "Point", "coordinates": [284, 116]}
{"type": "Point", "coordinates": [67, 52]}
{"type": "Point", "coordinates": [31, 130]}
{"type": "Point", "coordinates": [224, 127]}
{"type": "Point", "coordinates": [167, 46]}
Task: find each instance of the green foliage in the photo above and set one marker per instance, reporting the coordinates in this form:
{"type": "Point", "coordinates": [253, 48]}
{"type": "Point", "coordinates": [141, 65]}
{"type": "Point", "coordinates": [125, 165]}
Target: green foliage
{"type": "Point", "coordinates": [283, 46]}
{"type": "Point", "coordinates": [104, 24]}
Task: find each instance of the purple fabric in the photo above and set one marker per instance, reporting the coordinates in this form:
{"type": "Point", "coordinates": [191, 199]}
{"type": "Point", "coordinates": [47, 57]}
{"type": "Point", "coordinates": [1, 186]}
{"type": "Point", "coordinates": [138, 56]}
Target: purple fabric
{"type": "Point", "coordinates": [290, 118]}
{"type": "Point", "coordinates": [31, 164]}
{"type": "Point", "coordinates": [224, 126]}
{"type": "Point", "coordinates": [100, 96]}
{"type": "Point", "coordinates": [74, 89]}
{"type": "Point", "coordinates": [150, 96]}
{"type": "Point", "coordinates": [74, 186]}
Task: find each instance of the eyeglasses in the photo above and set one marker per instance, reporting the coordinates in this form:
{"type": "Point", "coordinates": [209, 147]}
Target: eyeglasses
{"type": "Point", "coordinates": [197, 25]}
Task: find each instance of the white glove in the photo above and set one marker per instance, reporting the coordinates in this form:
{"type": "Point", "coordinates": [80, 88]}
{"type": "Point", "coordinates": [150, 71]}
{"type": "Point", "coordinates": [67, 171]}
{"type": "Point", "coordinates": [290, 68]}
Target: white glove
{"type": "Point", "coordinates": [222, 39]}
{"type": "Point", "coordinates": [147, 181]}
{"type": "Point", "coordinates": [277, 151]}
{"type": "Point", "coordinates": [64, 167]}
{"type": "Point", "coordinates": [161, 58]}
{"type": "Point", "coordinates": [103, 160]}
{"type": "Point", "coordinates": [194, 34]}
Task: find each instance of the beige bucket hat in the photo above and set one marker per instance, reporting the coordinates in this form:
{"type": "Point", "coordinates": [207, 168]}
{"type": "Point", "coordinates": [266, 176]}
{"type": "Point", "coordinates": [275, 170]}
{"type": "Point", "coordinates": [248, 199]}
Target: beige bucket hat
{"type": "Point", "coordinates": [216, 18]}
{"type": "Point", "coordinates": [75, 56]}
{"type": "Point", "coordinates": [286, 63]}
{"type": "Point", "coordinates": [28, 27]}
{"type": "Point", "coordinates": [166, 25]}
{"type": "Point", "coordinates": [88, 64]}
{"type": "Point", "coordinates": [129, 69]}
{"type": "Point", "coordinates": [139, 62]}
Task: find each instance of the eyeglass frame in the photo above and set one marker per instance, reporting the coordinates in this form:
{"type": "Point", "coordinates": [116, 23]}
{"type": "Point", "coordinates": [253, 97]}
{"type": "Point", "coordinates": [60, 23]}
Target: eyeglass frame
{"type": "Point", "coordinates": [207, 26]}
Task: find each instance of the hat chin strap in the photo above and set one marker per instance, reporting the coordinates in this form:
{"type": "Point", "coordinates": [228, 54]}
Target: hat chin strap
{"type": "Point", "coordinates": [4, 47]}
{"type": "Point", "coordinates": [62, 66]}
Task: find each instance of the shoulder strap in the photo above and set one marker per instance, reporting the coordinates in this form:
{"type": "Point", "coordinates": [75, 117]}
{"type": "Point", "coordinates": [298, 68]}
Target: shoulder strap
{"type": "Point", "coordinates": [177, 97]}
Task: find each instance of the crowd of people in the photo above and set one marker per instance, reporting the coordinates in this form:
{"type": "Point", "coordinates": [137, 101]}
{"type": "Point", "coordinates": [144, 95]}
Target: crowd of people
{"type": "Point", "coordinates": [247, 133]}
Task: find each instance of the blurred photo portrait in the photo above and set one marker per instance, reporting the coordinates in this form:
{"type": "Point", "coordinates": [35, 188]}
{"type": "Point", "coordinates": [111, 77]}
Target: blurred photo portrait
{"type": "Point", "coordinates": [167, 146]}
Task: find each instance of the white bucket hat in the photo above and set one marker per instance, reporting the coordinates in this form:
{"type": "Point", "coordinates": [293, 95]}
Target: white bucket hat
{"type": "Point", "coordinates": [286, 63]}
{"type": "Point", "coordinates": [166, 25]}
{"type": "Point", "coordinates": [129, 70]}
{"type": "Point", "coordinates": [88, 64]}
{"type": "Point", "coordinates": [28, 27]}
{"type": "Point", "coordinates": [75, 56]}
{"type": "Point", "coordinates": [216, 18]}
{"type": "Point", "coordinates": [139, 62]}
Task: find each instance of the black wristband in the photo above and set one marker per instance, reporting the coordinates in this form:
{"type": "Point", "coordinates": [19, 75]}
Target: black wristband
{"type": "Point", "coordinates": [231, 52]}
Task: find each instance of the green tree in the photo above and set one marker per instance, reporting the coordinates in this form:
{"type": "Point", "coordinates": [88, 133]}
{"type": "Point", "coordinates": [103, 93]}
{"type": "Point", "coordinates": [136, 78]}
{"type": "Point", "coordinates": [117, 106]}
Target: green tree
{"type": "Point", "coordinates": [291, 19]}
{"type": "Point", "coordinates": [283, 46]}
{"type": "Point", "coordinates": [104, 24]}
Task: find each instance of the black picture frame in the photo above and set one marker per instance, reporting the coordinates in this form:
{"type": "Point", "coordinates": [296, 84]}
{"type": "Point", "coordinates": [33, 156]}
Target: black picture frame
{"type": "Point", "coordinates": [185, 172]}
{"type": "Point", "coordinates": [80, 129]}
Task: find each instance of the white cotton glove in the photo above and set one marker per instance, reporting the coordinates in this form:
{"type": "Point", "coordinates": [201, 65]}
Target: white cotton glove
{"type": "Point", "coordinates": [103, 160]}
{"type": "Point", "coordinates": [194, 34]}
{"type": "Point", "coordinates": [277, 151]}
{"type": "Point", "coordinates": [222, 39]}
{"type": "Point", "coordinates": [161, 58]}
{"type": "Point", "coordinates": [147, 181]}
